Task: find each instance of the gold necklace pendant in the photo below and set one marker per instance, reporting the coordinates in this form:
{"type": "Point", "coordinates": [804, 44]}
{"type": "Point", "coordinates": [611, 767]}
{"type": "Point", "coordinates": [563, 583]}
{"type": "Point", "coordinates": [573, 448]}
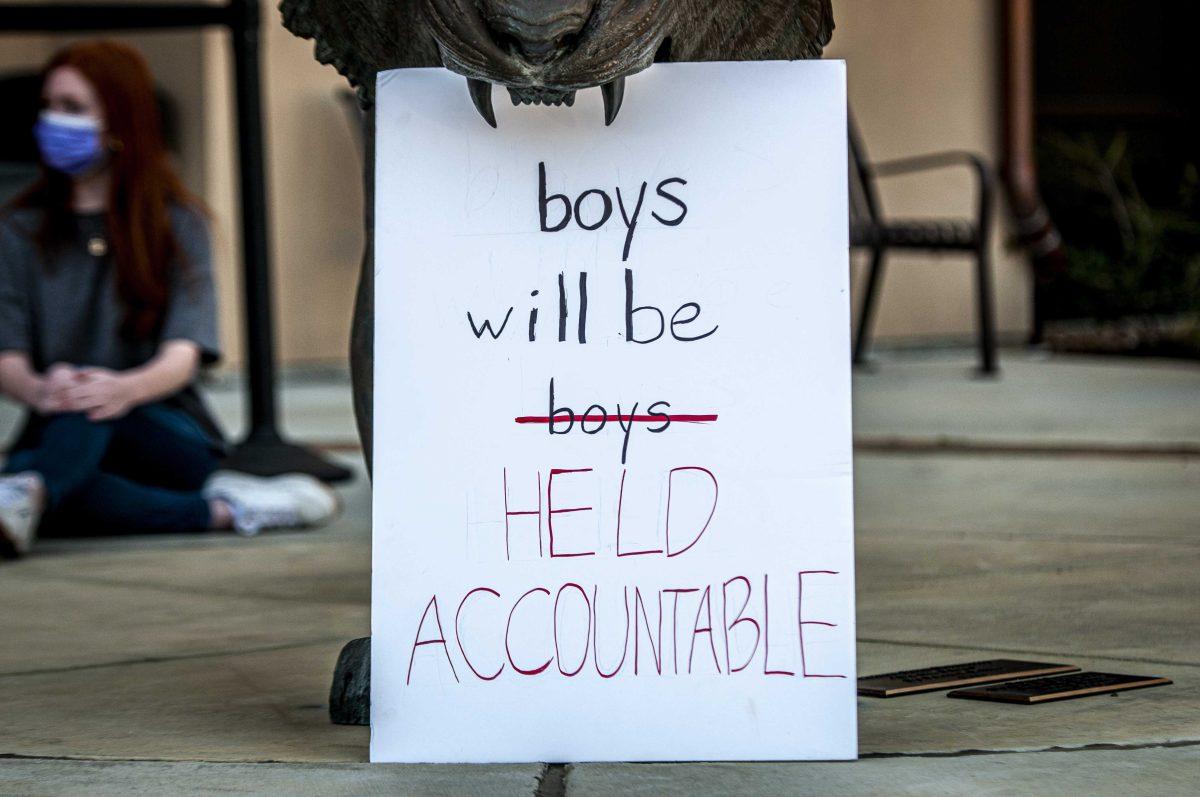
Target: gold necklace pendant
{"type": "Point", "coordinates": [97, 246]}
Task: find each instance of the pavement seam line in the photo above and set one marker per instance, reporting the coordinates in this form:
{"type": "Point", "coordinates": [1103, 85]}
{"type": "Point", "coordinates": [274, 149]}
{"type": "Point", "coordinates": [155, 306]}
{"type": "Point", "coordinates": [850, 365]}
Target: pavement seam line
{"type": "Point", "coordinates": [1087, 748]}
{"type": "Point", "coordinates": [181, 657]}
{"type": "Point", "coordinates": [109, 547]}
{"type": "Point", "coordinates": [566, 768]}
{"type": "Point", "coordinates": [977, 447]}
{"type": "Point", "coordinates": [552, 781]}
{"type": "Point", "coordinates": [197, 591]}
{"type": "Point", "coordinates": [969, 536]}
{"type": "Point", "coordinates": [234, 762]}
{"type": "Point", "coordinates": [1055, 653]}
{"type": "Point", "coordinates": [882, 444]}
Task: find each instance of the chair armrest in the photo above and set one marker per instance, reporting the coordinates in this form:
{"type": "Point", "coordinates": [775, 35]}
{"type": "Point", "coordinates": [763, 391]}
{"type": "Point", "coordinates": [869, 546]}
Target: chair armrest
{"type": "Point", "coordinates": [932, 160]}
{"type": "Point", "coordinates": [985, 181]}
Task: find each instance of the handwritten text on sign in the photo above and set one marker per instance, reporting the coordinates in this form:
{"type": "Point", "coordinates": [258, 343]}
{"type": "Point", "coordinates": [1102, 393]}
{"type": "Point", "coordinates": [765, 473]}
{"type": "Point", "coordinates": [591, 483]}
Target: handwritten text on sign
{"type": "Point", "coordinates": [612, 461]}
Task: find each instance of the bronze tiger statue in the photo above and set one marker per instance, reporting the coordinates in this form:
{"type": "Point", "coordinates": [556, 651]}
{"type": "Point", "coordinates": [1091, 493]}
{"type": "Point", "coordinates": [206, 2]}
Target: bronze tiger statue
{"type": "Point", "coordinates": [542, 52]}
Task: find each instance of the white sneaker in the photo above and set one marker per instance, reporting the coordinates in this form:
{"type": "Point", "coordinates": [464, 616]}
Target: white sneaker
{"type": "Point", "coordinates": [273, 502]}
{"type": "Point", "coordinates": [20, 511]}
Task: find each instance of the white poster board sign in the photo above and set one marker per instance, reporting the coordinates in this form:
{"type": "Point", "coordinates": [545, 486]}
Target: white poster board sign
{"type": "Point", "coordinates": [612, 485]}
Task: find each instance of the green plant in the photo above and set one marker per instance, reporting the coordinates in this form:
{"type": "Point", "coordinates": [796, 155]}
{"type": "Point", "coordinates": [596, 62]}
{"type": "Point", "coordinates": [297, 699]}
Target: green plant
{"type": "Point", "coordinates": [1124, 256]}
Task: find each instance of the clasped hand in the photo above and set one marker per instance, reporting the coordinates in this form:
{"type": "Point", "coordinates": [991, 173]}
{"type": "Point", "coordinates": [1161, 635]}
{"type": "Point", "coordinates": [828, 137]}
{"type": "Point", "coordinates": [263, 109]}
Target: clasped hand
{"type": "Point", "coordinates": [100, 393]}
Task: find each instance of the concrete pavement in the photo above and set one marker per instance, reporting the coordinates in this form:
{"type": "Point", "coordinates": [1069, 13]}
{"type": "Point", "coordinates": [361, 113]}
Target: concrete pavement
{"type": "Point", "coordinates": [201, 664]}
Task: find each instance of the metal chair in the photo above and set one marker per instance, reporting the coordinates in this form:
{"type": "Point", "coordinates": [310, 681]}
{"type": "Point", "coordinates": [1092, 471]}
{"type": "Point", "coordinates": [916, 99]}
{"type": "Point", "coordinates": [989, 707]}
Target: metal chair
{"type": "Point", "coordinates": [870, 229]}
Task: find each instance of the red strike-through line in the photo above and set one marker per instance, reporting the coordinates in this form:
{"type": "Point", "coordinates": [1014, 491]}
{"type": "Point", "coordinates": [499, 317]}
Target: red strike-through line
{"type": "Point", "coordinates": [622, 418]}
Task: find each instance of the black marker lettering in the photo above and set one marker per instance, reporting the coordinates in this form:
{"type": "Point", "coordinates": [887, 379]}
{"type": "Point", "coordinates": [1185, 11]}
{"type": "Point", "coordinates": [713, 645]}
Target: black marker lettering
{"type": "Point", "coordinates": [626, 428]}
{"type": "Point", "coordinates": [604, 217]}
{"type": "Point", "coordinates": [677, 321]}
{"type": "Point", "coordinates": [630, 222]}
{"type": "Point", "coordinates": [544, 201]}
{"type": "Point", "coordinates": [630, 310]}
{"type": "Point", "coordinates": [666, 418]}
{"type": "Point", "coordinates": [683, 209]}
{"type": "Point", "coordinates": [487, 326]}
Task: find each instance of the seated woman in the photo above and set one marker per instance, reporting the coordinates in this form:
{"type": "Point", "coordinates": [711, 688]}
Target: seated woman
{"type": "Point", "coordinates": [107, 311]}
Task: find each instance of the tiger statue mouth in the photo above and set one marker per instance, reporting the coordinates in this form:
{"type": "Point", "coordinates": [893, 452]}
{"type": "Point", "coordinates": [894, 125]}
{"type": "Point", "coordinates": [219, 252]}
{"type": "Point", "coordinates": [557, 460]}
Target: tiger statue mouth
{"type": "Point", "coordinates": [545, 51]}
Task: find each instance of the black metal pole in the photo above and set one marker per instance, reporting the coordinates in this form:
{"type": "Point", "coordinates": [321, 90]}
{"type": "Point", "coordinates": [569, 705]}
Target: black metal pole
{"type": "Point", "coordinates": [255, 252]}
{"type": "Point", "coordinates": [263, 451]}
{"type": "Point", "coordinates": [76, 18]}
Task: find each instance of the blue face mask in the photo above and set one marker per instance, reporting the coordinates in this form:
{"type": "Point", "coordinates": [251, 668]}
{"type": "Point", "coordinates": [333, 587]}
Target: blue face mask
{"type": "Point", "coordinates": [68, 143]}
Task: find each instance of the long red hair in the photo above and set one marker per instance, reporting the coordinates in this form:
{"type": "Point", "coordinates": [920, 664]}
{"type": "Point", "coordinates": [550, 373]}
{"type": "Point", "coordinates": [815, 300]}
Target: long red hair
{"type": "Point", "coordinates": [144, 183]}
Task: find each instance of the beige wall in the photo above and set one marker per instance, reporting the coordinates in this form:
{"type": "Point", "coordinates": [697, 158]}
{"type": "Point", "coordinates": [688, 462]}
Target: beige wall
{"type": "Point", "coordinates": [20, 52]}
{"type": "Point", "coordinates": [924, 76]}
{"type": "Point", "coordinates": [176, 58]}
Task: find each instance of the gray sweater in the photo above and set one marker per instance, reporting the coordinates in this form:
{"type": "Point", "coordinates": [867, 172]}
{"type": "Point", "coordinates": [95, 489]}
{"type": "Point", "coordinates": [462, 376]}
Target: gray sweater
{"type": "Point", "coordinates": [68, 310]}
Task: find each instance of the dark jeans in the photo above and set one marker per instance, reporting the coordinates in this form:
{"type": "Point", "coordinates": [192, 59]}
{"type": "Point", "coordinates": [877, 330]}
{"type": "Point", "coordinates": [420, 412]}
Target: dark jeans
{"type": "Point", "coordinates": [140, 473]}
